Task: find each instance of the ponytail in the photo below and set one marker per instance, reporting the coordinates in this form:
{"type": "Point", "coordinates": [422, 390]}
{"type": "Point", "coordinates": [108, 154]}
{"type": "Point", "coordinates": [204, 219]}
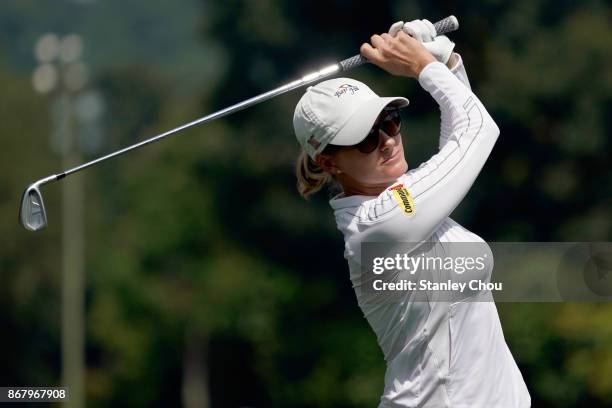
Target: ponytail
{"type": "Point", "coordinates": [310, 176]}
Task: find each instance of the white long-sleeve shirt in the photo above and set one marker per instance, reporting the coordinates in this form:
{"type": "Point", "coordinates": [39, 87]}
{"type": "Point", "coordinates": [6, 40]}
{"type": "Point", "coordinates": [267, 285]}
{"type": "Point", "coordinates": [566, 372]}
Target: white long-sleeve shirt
{"type": "Point", "coordinates": [438, 354]}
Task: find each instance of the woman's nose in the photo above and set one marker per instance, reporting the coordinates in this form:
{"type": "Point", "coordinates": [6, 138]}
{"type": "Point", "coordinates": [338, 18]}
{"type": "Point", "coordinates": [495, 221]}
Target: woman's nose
{"type": "Point", "coordinates": [386, 141]}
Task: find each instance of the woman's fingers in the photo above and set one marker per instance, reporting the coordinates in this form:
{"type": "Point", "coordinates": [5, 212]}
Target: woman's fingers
{"type": "Point", "coordinates": [412, 30]}
{"type": "Point", "coordinates": [373, 52]}
{"type": "Point", "coordinates": [421, 30]}
{"type": "Point", "coordinates": [369, 52]}
{"type": "Point", "coordinates": [424, 31]}
{"type": "Point", "coordinates": [399, 55]}
{"type": "Point", "coordinates": [377, 41]}
{"type": "Point", "coordinates": [405, 38]}
{"type": "Point", "coordinates": [395, 28]}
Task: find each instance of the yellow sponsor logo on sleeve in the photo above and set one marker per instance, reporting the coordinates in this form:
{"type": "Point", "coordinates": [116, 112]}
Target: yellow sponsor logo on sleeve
{"type": "Point", "coordinates": [403, 198]}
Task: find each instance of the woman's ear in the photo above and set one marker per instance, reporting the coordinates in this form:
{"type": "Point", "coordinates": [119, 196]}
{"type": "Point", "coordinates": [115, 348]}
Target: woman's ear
{"type": "Point", "coordinates": [328, 164]}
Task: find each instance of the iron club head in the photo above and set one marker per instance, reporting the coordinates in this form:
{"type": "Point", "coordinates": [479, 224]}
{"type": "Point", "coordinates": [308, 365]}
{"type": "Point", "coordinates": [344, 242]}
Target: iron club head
{"type": "Point", "coordinates": [32, 214]}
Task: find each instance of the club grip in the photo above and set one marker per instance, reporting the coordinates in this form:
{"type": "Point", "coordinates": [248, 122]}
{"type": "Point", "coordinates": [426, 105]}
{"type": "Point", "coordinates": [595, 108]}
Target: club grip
{"type": "Point", "coordinates": [446, 25]}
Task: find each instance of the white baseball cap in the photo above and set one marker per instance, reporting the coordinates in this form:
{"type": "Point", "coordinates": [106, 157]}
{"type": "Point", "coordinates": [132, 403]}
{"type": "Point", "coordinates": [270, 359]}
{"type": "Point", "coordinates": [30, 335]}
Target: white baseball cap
{"type": "Point", "coordinates": [339, 111]}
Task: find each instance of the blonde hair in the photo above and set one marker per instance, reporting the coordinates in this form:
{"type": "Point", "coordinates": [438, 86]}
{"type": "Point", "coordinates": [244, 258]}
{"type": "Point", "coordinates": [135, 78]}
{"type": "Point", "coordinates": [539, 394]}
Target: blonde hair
{"type": "Point", "coordinates": [310, 176]}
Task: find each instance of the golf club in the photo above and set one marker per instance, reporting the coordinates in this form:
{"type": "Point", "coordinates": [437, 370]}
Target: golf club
{"type": "Point", "coordinates": [32, 214]}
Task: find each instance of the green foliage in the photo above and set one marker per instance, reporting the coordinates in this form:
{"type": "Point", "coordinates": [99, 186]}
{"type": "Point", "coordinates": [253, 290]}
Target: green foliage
{"type": "Point", "coordinates": [204, 237]}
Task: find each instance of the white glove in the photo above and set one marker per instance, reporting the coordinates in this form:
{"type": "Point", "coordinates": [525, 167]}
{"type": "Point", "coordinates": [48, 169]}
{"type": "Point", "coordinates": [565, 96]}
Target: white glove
{"type": "Point", "coordinates": [421, 30]}
{"type": "Point", "coordinates": [425, 32]}
{"type": "Point", "coordinates": [441, 48]}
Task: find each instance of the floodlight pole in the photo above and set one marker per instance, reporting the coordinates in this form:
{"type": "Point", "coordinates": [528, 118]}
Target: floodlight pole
{"type": "Point", "coordinates": [55, 57]}
{"type": "Point", "coordinates": [73, 271]}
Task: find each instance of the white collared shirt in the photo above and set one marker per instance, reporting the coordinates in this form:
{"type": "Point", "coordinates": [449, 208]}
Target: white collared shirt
{"type": "Point", "coordinates": [438, 354]}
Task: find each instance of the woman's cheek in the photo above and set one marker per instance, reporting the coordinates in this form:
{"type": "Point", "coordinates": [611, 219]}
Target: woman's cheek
{"type": "Point", "coordinates": [397, 169]}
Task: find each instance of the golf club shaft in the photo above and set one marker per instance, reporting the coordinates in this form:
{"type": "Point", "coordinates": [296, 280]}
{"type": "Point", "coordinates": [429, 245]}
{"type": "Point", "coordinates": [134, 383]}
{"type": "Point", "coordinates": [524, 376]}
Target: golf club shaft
{"type": "Point", "coordinates": [443, 26]}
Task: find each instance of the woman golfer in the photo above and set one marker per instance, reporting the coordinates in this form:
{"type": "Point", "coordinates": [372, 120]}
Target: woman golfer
{"type": "Point", "coordinates": [438, 354]}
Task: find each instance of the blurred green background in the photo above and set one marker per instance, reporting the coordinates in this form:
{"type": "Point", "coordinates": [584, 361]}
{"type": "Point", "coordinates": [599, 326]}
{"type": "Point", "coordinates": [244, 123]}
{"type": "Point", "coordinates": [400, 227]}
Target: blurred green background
{"type": "Point", "coordinates": [209, 281]}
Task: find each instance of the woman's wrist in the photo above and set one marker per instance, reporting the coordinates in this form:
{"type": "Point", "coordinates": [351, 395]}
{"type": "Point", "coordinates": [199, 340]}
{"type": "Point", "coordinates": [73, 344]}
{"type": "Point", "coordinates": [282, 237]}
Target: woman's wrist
{"type": "Point", "coordinates": [423, 62]}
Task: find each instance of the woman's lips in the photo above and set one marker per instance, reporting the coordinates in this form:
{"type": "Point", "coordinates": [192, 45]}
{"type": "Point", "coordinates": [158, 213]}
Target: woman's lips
{"type": "Point", "coordinates": [391, 158]}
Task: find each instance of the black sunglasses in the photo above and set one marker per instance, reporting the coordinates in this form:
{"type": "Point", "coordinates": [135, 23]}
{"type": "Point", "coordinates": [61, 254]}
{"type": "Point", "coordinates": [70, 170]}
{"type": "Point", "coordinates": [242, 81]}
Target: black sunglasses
{"type": "Point", "coordinates": [390, 123]}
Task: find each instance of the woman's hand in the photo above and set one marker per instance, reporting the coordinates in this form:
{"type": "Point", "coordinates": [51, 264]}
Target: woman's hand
{"type": "Point", "coordinates": [400, 55]}
{"type": "Point", "coordinates": [421, 30]}
{"type": "Point", "coordinates": [424, 31]}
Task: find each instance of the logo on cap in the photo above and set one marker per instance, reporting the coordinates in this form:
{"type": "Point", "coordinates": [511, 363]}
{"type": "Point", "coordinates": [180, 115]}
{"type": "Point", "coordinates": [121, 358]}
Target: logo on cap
{"type": "Point", "coordinates": [344, 88]}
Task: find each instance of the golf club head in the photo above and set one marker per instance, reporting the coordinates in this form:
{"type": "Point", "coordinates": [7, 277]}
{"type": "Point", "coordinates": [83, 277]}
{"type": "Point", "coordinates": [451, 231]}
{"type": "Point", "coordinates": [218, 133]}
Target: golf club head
{"type": "Point", "coordinates": [32, 214]}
